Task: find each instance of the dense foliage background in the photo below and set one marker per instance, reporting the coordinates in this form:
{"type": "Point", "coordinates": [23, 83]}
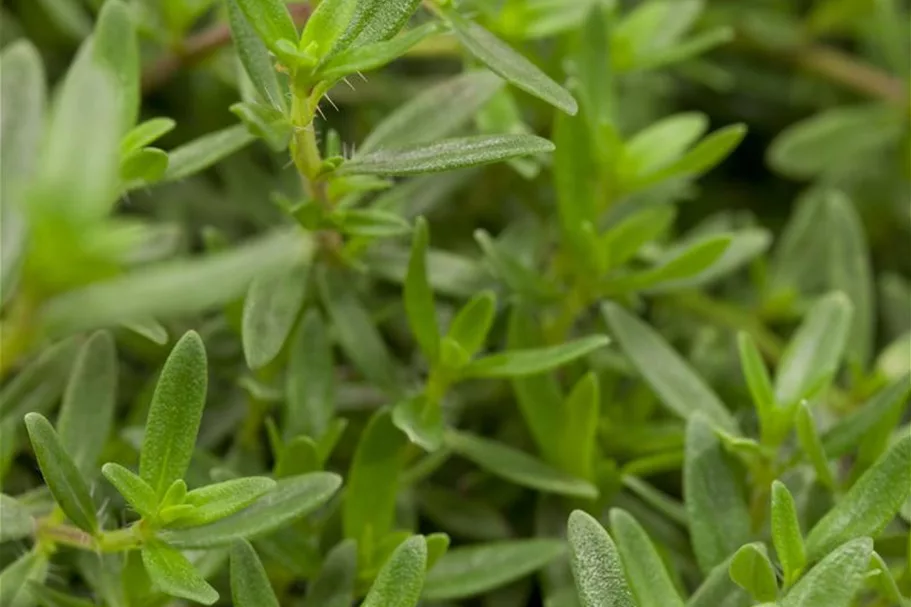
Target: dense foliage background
{"type": "Point", "coordinates": [425, 356]}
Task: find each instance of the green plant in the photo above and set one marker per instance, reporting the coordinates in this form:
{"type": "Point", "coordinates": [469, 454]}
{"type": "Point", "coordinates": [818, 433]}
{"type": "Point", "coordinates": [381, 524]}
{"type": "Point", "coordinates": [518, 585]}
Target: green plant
{"type": "Point", "coordinates": [346, 336]}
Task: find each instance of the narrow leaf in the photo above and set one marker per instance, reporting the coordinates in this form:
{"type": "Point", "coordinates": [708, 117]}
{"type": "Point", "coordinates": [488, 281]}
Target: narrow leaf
{"type": "Point", "coordinates": [517, 363]}
{"type": "Point", "coordinates": [378, 20]}
{"type": "Point", "coordinates": [220, 500]}
{"type": "Point", "coordinates": [812, 446]}
{"type": "Point", "coordinates": [145, 133]}
{"type": "Point", "coordinates": [271, 308]}
{"type": "Point", "coordinates": [596, 564]}
{"type": "Point", "coordinates": [419, 304]}
{"type": "Point", "coordinates": [309, 382]}
{"type": "Point", "coordinates": [401, 579]}
{"type": "Point", "coordinates": [173, 574]}
{"type": "Point", "coordinates": [138, 493]}
{"type": "Point", "coordinates": [271, 20]}
{"type": "Point", "coordinates": [751, 569]}
{"type": "Point", "coordinates": [334, 586]}
{"type": "Point", "coordinates": [647, 575]}
{"type": "Point", "coordinates": [786, 534]}
{"type": "Point", "coordinates": [115, 46]}
{"type": "Point", "coordinates": [250, 585]}
{"type": "Point", "coordinates": [16, 521]}
{"type": "Point", "coordinates": [472, 323]}
{"type": "Point", "coordinates": [200, 154]}
{"type": "Point", "coordinates": [848, 432]}
{"type": "Point", "coordinates": [15, 578]}
{"type": "Point", "coordinates": [373, 56]}
{"type": "Point", "coordinates": [835, 580]}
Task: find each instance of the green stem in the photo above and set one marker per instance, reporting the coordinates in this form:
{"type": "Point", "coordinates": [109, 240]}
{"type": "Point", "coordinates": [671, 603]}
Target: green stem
{"type": "Point", "coordinates": [51, 534]}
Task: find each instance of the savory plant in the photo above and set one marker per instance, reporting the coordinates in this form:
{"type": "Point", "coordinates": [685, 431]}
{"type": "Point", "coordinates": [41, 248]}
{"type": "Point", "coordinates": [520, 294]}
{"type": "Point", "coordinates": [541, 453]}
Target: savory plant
{"type": "Point", "coordinates": [349, 336]}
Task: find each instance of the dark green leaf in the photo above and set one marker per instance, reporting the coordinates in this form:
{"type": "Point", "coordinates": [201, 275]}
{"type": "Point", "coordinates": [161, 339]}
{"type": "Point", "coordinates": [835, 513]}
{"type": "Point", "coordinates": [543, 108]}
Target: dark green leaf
{"type": "Point", "coordinates": [835, 580]}
{"type": "Point", "coordinates": [462, 515]}
{"type": "Point", "coordinates": [472, 323]}
{"type": "Point", "coordinates": [752, 570]}
{"type": "Point", "coordinates": [401, 579]}
{"type": "Point", "coordinates": [250, 585]}
{"type": "Point", "coordinates": [786, 535]}
{"type": "Point", "coordinates": [419, 304]}
{"type": "Point", "coordinates": [596, 564]}
{"type": "Point", "coordinates": [848, 432]}
{"type": "Point", "coordinates": [173, 574]}
{"type": "Point", "coordinates": [271, 308]}
{"type": "Point", "coordinates": [138, 493]}
{"type": "Point", "coordinates": [646, 573]}
{"type": "Point", "coordinates": [334, 586]}
{"type": "Point", "coordinates": [517, 363]}
{"type": "Point", "coordinates": [812, 446]}
{"type": "Point", "coordinates": [309, 383]}
{"type": "Point", "coordinates": [255, 57]}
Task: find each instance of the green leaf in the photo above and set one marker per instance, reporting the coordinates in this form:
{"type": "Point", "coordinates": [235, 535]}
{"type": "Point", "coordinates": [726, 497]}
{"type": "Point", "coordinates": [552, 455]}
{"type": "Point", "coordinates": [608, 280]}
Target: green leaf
{"type": "Point", "coordinates": [704, 156]}
{"type": "Point", "coordinates": [300, 456]}
{"type": "Point", "coordinates": [326, 25]}
{"type": "Point", "coordinates": [16, 521]}
{"type": "Point", "coordinates": [885, 582]}
{"type": "Point", "coordinates": [175, 414]}
{"type": "Point", "coordinates": [271, 20]}
{"type": "Point", "coordinates": [786, 535]}
{"type": "Point", "coordinates": [374, 223]}
{"type": "Point", "coordinates": [422, 420]}
{"type": "Point", "coordinates": [517, 467]}
{"type": "Point", "coordinates": [142, 167]}
{"type": "Point", "coordinates": [375, 55]}
{"type": "Point", "coordinates": [461, 515]}
{"type": "Point", "coordinates": [377, 20]}
{"type": "Point", "coordinates": [266, 122]}
{"type": "Point", "coordinates": [61, 475]}
{"type": "Point", "coordinates": [435, 113]}
{"type": "Point", "coordinates": [718, 513]}
{"type": "Point", "coordinates": [173, 574]}
{"type": "Point", "coordinates": [200, 154]}
{"type": "Point", "coordinates": [419, 304]}
{"type": "Point", "coordinates": [87, 412]}
{"type": "Point", "coordinates": [624, 240]}
{"type": "Point", "coordinates": [220, 500]}
{"type": "Point", "coordinates": [758, 380]}
{"type": "Point", "coordinates": [310, 381]}
{"type": "Point", "coordinates": [517, 363]}
{"type": "Point", "coordinates": [48, 597]}
{"type": "Point", "coordinates": [355, 331]}
{"type": "Point", "coordinates": [116, 47]}
{"type": "Point", "coordinates": [145, 133]}
{"type": "Point", "coordinates": [813, 355]}
{"type": "Point", "coordinates": [578, 436]}
{"type": "Point", "coordinates": [848, 432]}
{"type": "Point", "coordinates": [14, 579]}
{"type": "Point", "coordinates": [250, 585]}
{"type": "Point", "coordinates": [271, 308]}
{"type": "Point", "coordinates": [513, 67]}
{"type": "Point", "coordinates": [596, 564]}
{"type": "Point", "coordinates": [472, 323]}
{"type": "Point", "coordinates": [446, 155]}
{"type": "Point", "coordinates": [519, 278]}
{"type": "Point", "coordinates": [291, 499]}
{"type": "Point", "coordinates": [680, 266]}
{"type": "Point", "coordinates": [334, 586]}
{"type": "Point", "coordinates": [469, 571]}
{"type": "Point", "coordinates": [869, 505]}
{"type": "Point", "coordinates": [372, 482]}
{"type": "Point", "coordinates": [646, 573]}
{"type": "Point", "coordinates": [835, 580]}
{"type": "Point", "coordinates": [812, 446]}
{"type": "Point", "coordinates": [675, 383]}
{"type": "Point", "coordinates": [662, 142]}
{"type": "Point", "coordinates": [576, 179]}
{"type": "Point", "coordinates": [180, 287]}
{"type": "Point", "coordinates": [752, 570]}
{"type": "Point", "coordinates": [255, 58]}
{"type": "Point", "coordinates": [138, 493]}
{"type": "Point", "coordinates": [719, 590]}
{"type": "Point", "coordinates": [401, 579]}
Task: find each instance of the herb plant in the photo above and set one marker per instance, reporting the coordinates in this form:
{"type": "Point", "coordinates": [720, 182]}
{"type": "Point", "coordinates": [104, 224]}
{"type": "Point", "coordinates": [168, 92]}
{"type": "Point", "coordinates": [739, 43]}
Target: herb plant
{"type": "Point", "coordinates": [434, 302]}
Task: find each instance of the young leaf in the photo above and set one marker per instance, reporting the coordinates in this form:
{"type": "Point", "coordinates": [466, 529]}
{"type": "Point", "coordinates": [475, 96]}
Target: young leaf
{"type": "Point", "coordinates": [271, 308]}
{"type": "Point", "coordinates": [116, 47]}
{"type": "Point", "coordinates": [835, 580]}
{"type": "Point", "coordinates": [334, 586]}
{"type": "Point", "coordinates": [215, 502]}
{"type": "Point", "coordinates": [250, 585]}
{"type": "Point", "coordinates": [16, 521]}
{"type": "Point", "coordinates": [401, 579]}
{"type": "Point", "coordinates": [309, 384]}
{"type": "Point", "coordinates": [517, 466]}
{"type": "Point", "coordinates": [469, 571]}
{"type": "Point", "coordinates": [300, 456]}
{"type": "Point", "coordinates": [517, 363]}
{"type": "Point", "coordinates": [596, 564]}
{"type": "Point", "coordinates": [751, 569]}
{"type": "Point", "coordinates": [757, 377]}
{"type": "Point", "coordinates": [138, 493]}
{"type": "Point", "coordinates": [446, 155]}
{"type": "Point", "coordinates": [869, 505]}
{"type": "Point", "coordinates": [373, 56]}
{"type": "Point", "coordinates": [173, 574]}
{"type": "Point", "coordinates": [848, 432]}
{"type": "Point", "coordinates": [326, 25]}
{"type": "Point", "coordinates": [814, 352]}
{"type": "Point", "coordinates": [471, 325]}
{"type": "Point", "coordinates": [63, 478]}
{"type": "Point", "coordinates": [175, 414]}
{"type": "Point", "coordinates": [418, 295]}
{"type": "Point", "coordinates": [647, 575]}
{"type": "Point", "coordinates": [503, 60]}
{"type": "Point", "coordinates": [377, 20]}
{"type": "Point", "coordinates": [718, 589]}
{"type": "Point", "coordinates": [786, 535]}
{"type": "Point", "coordinates": [718, 514]}
{"type": "Point", "coordinates": [812, 446]}
{"type": "Point", "coordinates": [626, 238]}
{"type": "Point", "coordinates": [200, 154]}
{"type": "Point", "coordinates": [87, 412]}
{"type": "Point", "coordinates": [271, 20]}
{"type": "Point", "coordinates": [255, 57]}
{"type": "Point", "coordinates": [142, 167]}
{"type": "Point", "coordinates": [372, 482]}
{"type": "Point", "coordinates": [678, 387]}
{"type": "Point", "coordinates": [145, 133]}
{"type": "Point", "coordinates": [885, 582]}
{"type": "Point", "coordinates": [291, 499]}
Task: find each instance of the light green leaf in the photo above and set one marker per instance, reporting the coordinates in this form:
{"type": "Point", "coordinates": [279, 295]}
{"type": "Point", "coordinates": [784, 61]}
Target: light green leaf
{"type": "Point", "coordinates": [116, 47]}
{"type": "Point", "coordinates": [377, 20]}
{"type": "Point", "coordinates": [401, 579]}
{"type": "Point", "coordinates": [517, 467]}
{"type": "Point", "coordinates": [752, 570]}
{"type": "Point", "coordinates": [579, 433]}
{"type": "Point", "coordinates": [271, 20]}
{"type": "Point", "coordinates": [373, 56]}
{"type": "Point", "coordinates": [291, 499]}
{"type": "Point", "coordinates": [271, 308]}
{"type": "Point", "coordinates": [812, 446]}
{"type": "Point", "coordinates": [675, 383]}
{"type": "Point", "coordinates": [173, 574]}
{"type": "Point", "coordinates": [813, 355]}
{"type": "Point", "coordinates": [518, 363]}
{"type": "Point", "coordinates": [40, 383]}
{"type": "Point", "coordinates": [16, 521]}
{"type": "Point", "coordinates": [138, 493]}
{"type": "Point", "coordinates": [885, 582]}
{"type": "Point", "coordinates": [513, 67]}
{"type": "Point", "coordinates": [326, 25]}
{"type": "Point", "coordinates": [469, 571]}
{"type": "Point", "coordinates": [371, 223]}
{"type": "Point", "coordinates": [835, 580]}
{"type": "Point", "coordinates": [418, 296]}
{"type": "Point", "coordinates": [220, 500]}
{"type": "Point", "coordinates": [715, 502]}
{"type": "Point", "coordinates": [250, 585]}
{"type": "Point", "coordinates": [334, 586]}
{"type": "Point", "coordinates": [61, 475]}
{"type": "Point", "coordinates": [87, 412]}
{"type": "Point", "coordinates": [145, 133]}
{"type": "Point", "coordinates": [435, 113]}
{"type": "Point", "coordinates": [660, 143]}
{"type": "Point", "coordinates": [310, 380]}
{"type": "Point", "coordinates": [704, 156]}
{"type": "Point", "coordinates": [869, 505]}
{"type": "Point", "coordinates": [786, 535]}
{"type": "Point", "coordinates": [422, 420]}
{"type": "Point", "coordinates": [372, 482]}
{"type": "Point", "coordinates": [850, 430]}
{"type": "Point", "coordinates": [472, 323]}
{"type": "Point", "coordinates": [255, 57]}
{"type": "Point", "coordinates": [596, 565]}
{"type": "Point", "coordinates": [14, 579]}
{"type": "Point", "coordinates": [299, 456]}
{"type": "Point", "coordinates": [175, 414]}
{"type": "Point", "coordinates": [646, 573]}
{"type": "Point", "coordinates": [624, 240]}
{"type": "Point", "coordinates": [576, 179]}
{"type": "Point", "coordinates": [200, 154]}
{"type": "Point", "coordinates": [758, 380]}
{"type": "Point", "coordinates": [143, 167]}
{"type": "Point", "coordinates": [446, 155]}
{"type": "Point", "coordinates": [679, 266]}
